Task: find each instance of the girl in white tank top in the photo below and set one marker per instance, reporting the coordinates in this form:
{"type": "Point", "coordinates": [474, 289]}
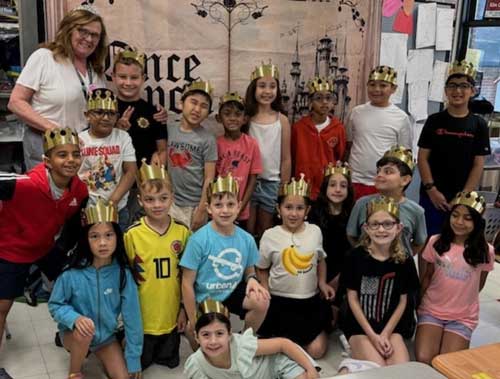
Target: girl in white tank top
{"type": "Point", "coordinates": [271, 129]}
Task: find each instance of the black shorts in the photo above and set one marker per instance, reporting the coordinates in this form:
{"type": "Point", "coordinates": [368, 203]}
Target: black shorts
{"type": "Point", "coordinates": [162, 350]}
{"type": "Point", "coordinates": [235, 301]}
{"type": "Point", "coordinates": [300, 320]}
{"type": "Point", "coordinates": [12, 279]}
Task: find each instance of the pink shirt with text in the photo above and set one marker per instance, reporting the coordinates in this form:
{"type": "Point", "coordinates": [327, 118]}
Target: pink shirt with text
{"type": "Point", "coordinates": [241, 158]}
{"type": "Point", "coordinates": [453, 292]}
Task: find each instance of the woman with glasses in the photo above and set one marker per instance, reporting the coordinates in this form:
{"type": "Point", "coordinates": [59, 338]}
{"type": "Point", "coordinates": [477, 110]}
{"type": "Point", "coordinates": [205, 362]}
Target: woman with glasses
{"type": "Point", "coordinates": [378, 275]}
{"type": "Point", "coordinates": [452, 148]}
{"type": "Point", "coordinates": [53, 87]}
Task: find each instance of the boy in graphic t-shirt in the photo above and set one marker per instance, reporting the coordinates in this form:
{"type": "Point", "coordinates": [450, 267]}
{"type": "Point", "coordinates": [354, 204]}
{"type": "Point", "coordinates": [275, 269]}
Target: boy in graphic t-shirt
{"type": "Point", "coordinates": [192, 153]}
{"type": "Point", "coordinates": [452, 148]}
{"type": "Point", "coordinates": [108, 156]}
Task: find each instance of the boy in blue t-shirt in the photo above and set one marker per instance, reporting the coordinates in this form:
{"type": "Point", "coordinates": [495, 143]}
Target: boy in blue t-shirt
{"type": "Point", "coordinates": [219, 258]}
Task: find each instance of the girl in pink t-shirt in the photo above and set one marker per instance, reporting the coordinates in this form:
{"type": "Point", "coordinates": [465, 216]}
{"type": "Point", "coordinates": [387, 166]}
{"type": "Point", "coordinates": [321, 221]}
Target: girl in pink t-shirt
{"type": "Point", "coordinates": [454, 267]}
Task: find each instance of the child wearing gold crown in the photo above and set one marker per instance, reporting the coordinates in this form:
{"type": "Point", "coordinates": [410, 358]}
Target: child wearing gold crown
{"type": "Point", "coordinates": [272, 131]}
{"type": "Point", "coordinates": [331, 212]}
{"type": "Point", "coordinates": [33, 209]}
{"type": "Point", "coordinates": [378, 275]}
{"type": "Point", "coordinates": [319, 132]}
{"type": "Point", "coordinates": [141, 119]}
{"type": "Point", "coordinates": [192, 154]}
{"type": "Point", "coordinates": [452, 148]}
{"type": "Point", "coordinates": [145, 123]}
{"type": "Point", "coordinates": [373, 128]}
{"type": "Point", "coordinates": [394, 175]}
{"type": "Point", "coordinates": [223, 354]}
{"type": "Point", "coordinates": [455, 265]}
{"type": "Point", "coordinates": [292, 266]}
{"type": "Point", "coordinates": [89, 297]}
{"type": "Point", "coordinates": [108, 164]}
{"type": "Point", "coordinates": [219, 261]}
{"type": "Point", "coordinates": [238, 153]}
{"type": "Point", "coordinates": [154, 246]}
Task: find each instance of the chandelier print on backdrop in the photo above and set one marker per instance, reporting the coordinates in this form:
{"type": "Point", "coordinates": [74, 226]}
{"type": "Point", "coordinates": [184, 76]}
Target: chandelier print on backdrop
{"type": "Point", "coordinates": [225, 40]}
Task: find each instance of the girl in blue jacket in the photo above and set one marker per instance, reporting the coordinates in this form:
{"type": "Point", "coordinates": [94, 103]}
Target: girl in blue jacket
{"type": "Point", "coordinates": [88, 298]}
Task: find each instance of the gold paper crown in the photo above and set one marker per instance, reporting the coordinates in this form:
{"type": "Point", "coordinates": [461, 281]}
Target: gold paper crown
{"type": "Point", "coordinates": [318, 84]}
{"type": "Point", "coordinates": [296, 187]}
{"type": "Point", "coordinates": [402, 154]}
{"type": "Point", "coordinates": [213, 306]}
{"type": "Point", "coordinates": [338, 168]}
{"type": "Point", "coordinates": [383, 203]}
{"type": "Point", "coordinates": [102, 211]}
{"type": "Point", "coordinates": [462, 67]}
{"type": "Point", "coordinates": [102, 98]}
{"type": "Point", "coordinates": [59, 136]}
{"type": "Point", "coordinates": [231, 96]}
{"type": "Point", "coordinates": [132, 53]}
{"type": "Point", "coordinates": [265, 70]}
{"type": "Point", "coordinates": [151, 172]}
{"type": "Point", "coordinates": [200, 85]}
{"type": "Point", "coordinates": [224, 184]}
{"type": "Point", "coordinates": [471, 199]}
{"type": "Point", "coordinates": [384, 73]}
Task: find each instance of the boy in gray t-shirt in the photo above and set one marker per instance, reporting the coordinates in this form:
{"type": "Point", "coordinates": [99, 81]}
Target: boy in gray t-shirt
{"type": "Point", "coordinates": [394, 174]}
{"type": "Point", "coordinates": [192, 154]}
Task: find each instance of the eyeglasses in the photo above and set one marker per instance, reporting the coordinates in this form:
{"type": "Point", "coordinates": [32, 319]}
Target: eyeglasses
{"type": "Point", "coordinates": [85, 33]}
{"type": "Point", "coordinates": [462, 86]}
{"type": "Point", "coordinates": [387, 225]}
{"type": "Point", "coordinates": [323, 98]}
{"type": "Point", "coordinates": [103, 113]}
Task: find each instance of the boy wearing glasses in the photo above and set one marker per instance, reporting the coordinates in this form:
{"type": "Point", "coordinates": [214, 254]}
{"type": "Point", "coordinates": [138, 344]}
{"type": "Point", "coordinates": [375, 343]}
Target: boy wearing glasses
{"type": "Point", "coordinates": [452, 148]}
{"type": "Point", "coordinates": [108, 156]}
{"type": "Point", "coordinates": [318, 138]}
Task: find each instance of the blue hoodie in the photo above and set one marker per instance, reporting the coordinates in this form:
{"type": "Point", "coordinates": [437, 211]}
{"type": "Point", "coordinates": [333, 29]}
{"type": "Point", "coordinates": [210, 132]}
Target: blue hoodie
{"type": "Point", "coordinates": [95, 293]}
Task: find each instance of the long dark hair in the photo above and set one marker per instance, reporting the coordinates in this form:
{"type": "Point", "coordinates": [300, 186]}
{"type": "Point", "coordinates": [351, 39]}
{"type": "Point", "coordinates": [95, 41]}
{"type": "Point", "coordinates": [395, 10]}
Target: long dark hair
{"type": "Point", "coordinates": [83, 257]}
{"type": "Point", "coordinates": [252, 106]}
{"type": "Point", "coordinates": [321, 208]}
{"type": "Point", "coordinates": [208, 318]}
{"type": "Point", "coordinates": [476, 247]}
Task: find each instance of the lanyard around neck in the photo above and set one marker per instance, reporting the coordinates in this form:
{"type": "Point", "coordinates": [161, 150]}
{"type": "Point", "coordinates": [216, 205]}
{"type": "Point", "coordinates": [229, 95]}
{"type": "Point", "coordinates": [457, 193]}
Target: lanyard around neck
{"type": "Point", "coordinates": [82, 82]}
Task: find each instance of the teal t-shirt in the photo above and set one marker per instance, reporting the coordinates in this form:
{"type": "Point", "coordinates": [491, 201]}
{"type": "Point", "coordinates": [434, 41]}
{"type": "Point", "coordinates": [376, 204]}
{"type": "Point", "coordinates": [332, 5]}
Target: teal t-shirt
{"type": "Point", "coordinates": [220, 261]}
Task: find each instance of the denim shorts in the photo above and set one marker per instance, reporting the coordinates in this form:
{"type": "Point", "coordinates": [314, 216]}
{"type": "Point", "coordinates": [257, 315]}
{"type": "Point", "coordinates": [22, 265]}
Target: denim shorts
{"type": "Point", "coordinates": [265, 195]}
{"type": "Point", "coordinates": [450, 326]}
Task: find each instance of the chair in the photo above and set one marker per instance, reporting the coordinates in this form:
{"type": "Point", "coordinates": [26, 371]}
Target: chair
{"type": "Point", "coordinates": [492, 218]}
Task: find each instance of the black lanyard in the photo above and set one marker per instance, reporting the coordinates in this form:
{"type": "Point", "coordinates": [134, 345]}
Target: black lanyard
{"type": "Point", "coordinates": [82, 83]}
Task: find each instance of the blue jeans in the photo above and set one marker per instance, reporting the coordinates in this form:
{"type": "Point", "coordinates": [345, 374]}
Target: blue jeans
{"type": "Point", "coordinates": [123, 219]}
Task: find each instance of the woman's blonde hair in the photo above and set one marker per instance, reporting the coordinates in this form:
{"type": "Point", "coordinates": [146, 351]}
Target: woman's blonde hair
{"type": "Point", "coordinates": [396, 250]}
{"type": "Point", "coordinates": [61, 46]}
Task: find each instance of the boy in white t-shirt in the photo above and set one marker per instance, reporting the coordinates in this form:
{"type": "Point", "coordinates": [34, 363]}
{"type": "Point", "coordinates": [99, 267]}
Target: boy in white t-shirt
{"type": "Point", "coordinates": [373, 128]}
{"type": "Point", "coordinates": [108, 156]}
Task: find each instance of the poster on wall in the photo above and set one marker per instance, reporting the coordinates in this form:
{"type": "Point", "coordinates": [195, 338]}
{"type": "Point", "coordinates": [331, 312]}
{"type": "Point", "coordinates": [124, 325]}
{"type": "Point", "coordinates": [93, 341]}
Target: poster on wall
{"type": "Point", "coordinates": [225, 41]}
{"type": "Point", "coordinates": [492, 9]}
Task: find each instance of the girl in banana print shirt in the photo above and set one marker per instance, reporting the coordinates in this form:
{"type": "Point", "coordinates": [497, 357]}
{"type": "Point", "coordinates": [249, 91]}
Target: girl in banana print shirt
{"type": "Point", "coordinates": [292, 267]}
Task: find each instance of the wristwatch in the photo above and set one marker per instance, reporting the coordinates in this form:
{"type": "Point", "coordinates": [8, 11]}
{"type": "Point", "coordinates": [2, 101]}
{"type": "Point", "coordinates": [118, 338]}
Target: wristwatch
{"type": "Point", "coordinates": [428, 186]}
{"type": "Point", "coordinates": [252, 276]}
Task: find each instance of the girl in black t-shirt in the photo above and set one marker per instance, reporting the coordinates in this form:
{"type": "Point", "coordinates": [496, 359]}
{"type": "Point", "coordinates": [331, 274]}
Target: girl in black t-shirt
{"type": "Point", "coordinates": [331, 212]}
{"type": "Point", "coordinates": [378, 276]}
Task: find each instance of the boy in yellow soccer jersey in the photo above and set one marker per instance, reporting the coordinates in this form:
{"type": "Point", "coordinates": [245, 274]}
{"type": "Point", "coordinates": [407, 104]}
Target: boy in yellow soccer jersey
{"type": "Point", "coordinates": [154, 246]}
